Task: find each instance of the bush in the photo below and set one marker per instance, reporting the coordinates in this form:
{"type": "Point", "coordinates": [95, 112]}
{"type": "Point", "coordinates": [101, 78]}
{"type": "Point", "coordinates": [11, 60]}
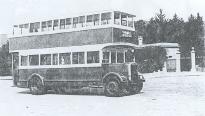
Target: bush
{"type": "Point", "coordinates": [150, 59]}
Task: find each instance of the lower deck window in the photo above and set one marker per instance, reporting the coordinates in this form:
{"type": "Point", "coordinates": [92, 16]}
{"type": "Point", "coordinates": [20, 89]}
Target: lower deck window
{"type": "Point", "coordinates": [93, 57]}
{"type": "Point", "coordinates": [78, 58]}
{"type": "Point", "coordinates": [33, 60]}
{"type": "Point", "coordinates": [45, 59]}
{"type": "Point", "coordinates": [64, 58]}
{"type": "Point", "coordinates": [24, 60]}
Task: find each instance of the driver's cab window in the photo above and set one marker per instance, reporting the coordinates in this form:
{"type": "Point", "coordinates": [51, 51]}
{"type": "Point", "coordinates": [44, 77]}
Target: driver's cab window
{"type": "Point", "coordinates": [106, 57]}
{"type": "Point", "coordinates": [129, 56]}
{"type": "Point", "coordinates": [113, 57]}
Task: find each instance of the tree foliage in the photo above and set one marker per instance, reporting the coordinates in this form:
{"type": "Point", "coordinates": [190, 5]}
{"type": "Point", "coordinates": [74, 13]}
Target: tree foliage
{"type": "Point", "coordinates": [5, 60]}
{"type": "Point", "coordinates": [175, 30]}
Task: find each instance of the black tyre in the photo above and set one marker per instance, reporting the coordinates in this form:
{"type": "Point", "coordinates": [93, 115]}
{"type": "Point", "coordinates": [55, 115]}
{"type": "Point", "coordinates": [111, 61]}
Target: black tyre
{"type": "Point", "coordinates": [112, 89]}
{"type": "Point", "coordinates": [136, 88]}
{"type": "Point", "coordinates": [36, 86]}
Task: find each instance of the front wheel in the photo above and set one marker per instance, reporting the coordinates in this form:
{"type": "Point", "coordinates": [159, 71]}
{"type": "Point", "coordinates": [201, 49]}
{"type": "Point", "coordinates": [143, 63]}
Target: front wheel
{"type": "Point", "coordinates": [36, 86]}
{"type": "Point", "coordinates": [112, 89]}
{"type": "Point", "coordinates": [136, 88]}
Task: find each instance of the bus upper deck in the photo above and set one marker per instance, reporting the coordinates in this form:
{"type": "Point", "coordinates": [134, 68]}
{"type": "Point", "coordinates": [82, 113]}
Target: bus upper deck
{"type": "Point", "coordinates": [83, 22]}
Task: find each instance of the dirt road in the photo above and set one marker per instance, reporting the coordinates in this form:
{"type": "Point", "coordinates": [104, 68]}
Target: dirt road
{"type": "Point", "coordinates": [161, 96]}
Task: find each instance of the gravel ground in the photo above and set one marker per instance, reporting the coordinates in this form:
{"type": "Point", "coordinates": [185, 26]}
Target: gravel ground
{"type": "Point", "coordinates": [180, 95]}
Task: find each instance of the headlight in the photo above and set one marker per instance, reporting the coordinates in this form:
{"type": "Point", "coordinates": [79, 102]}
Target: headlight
{"type": "Point", "coordinates": [141, 77]}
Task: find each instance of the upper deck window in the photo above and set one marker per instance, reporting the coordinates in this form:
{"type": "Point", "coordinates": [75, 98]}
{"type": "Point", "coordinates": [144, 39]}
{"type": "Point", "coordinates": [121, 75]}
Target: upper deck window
{"type": "Point", "coordinates": [46, 25]}
{"type": "Point", "coordinates": [117, 18]}
{"type": "Point", "coordinates": [68, 23]}
{"type": "Point", "coordinates": [124, 20]}
{"type": "Point", "coordinates": [56, 25]}
{"type": "Point", "coordinates": [49, 24]}
{"type": "Point", "coordinates": [75, 22]}
{"type": "Point", "coordinates": [23, 28]}
{"type": "Point", "coordinates": [96, 19]}
{"type": "Point", "coordinates": [82, 21]}
{"type": "Point", "coordinates": [35, 27]}
{"type": "Point", "coordinates": [130, 22]}
{"type": "Point", "coordinates": [62, 23]}
{"type": "Point", "coordinates": [89, 21]}
{"type": "Point", "coordinates": [43, 26]}
{"type": "Point", "coordinates": [105, 18]}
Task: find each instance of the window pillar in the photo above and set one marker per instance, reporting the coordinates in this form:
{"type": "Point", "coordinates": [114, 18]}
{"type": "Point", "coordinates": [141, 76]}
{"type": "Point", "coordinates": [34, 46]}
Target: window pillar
{"type": "Point", "coordinates": [112, 18]}
{"type": "Point", "coordinates": [133, 24]}
{"type": "Point", "coordinates": [52, 25]}
{"type": "Point", "coordinates": [71, 57]}
{"type": "Point", "coordinates": [39, 59]}
{"type": "Point", "coordinates": [110, 57]}
{"type": "Point", "coordinates": [127, 20]}
{"type": "Point", "coordinates": [120, 19]}
{"type": "Point", "coordinates": [40, 28]}
{"type": "Point", "coordinates": [124, 56]}
{"type": "Point", "coordinates": [100, 18]}
{"type": "Point", "coordinates": [85, 57]}
{"type": "Point", "coordinates": [85, 20]}
{"type": "Point", "coordinates": [51, 59]}
{"type": "Point", "coordinates": [115, 56]}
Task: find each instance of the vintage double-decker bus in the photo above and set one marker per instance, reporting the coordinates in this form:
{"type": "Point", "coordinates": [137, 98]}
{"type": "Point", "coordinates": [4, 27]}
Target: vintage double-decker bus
{"type": "Point", "coordinates": [92, 50]}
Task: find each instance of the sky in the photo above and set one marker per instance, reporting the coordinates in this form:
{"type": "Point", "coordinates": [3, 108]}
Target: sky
{"type": "Point", "coordinates": [21, 11]}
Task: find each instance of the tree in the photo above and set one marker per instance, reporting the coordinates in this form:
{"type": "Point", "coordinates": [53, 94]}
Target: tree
{"type": "Point", "coordinates": [156, 28]}
{"type": "Point", "coordinates": [5, 60]}
{"type": "Point", "coordinates": [140, 30]}
{"type": "Point", "coordinates": [174, 30]}
{"type": "Point", "coordinates": [194, 31]}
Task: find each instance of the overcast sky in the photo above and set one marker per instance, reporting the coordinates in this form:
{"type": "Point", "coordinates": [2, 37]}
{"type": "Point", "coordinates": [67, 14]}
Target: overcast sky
{"type": "Point", "coordinates": [16, 11]}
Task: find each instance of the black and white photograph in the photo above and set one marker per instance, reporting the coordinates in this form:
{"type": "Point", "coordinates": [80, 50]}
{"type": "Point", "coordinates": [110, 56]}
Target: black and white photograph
{"type": "Point", "coordinates": [102, 58]}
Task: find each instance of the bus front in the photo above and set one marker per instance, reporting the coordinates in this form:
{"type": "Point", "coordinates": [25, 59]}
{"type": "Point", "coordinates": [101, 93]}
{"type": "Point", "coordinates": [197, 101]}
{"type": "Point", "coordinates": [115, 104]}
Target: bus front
{"type": "Point", "coordinates": [120, 71]}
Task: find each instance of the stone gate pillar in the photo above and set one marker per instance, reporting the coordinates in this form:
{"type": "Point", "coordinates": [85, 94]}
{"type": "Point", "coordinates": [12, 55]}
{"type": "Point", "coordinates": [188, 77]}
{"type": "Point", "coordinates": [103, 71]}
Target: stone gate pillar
{"type": "Point", "coordinates": [178, 62]}
{"type": "Point", "coordinates": [193, 60]}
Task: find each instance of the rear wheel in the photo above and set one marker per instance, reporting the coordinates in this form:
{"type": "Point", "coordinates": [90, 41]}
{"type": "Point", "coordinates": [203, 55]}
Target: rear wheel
{"type": "Point", "coordinates": [36, 86]}
{"type": "Point", "coordinates": [112, 89]}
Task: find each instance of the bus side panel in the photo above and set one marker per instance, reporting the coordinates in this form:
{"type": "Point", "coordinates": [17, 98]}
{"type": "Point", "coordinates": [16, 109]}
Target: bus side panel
{"type": "Point", "coordinates": [82, 74]}
{"type": "Point", "coordinates": [79, 76]}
